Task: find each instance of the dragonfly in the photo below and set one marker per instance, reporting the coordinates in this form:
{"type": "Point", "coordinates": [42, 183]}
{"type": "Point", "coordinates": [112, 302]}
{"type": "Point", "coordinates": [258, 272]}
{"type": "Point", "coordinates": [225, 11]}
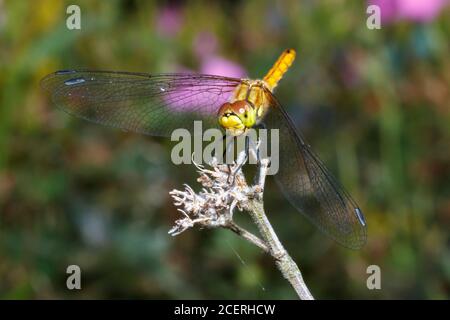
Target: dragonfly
{"type": "Point", "coordinates": [157, 104]}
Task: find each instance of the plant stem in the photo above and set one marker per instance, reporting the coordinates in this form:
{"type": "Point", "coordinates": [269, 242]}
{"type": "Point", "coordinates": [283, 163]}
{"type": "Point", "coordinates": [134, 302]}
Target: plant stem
{"type": "Point", "coordinates": [283, 260]}
{"type": "Point", "coordinates": [247, 236]}
{"type": "Point", "coordinates": [213, 208]}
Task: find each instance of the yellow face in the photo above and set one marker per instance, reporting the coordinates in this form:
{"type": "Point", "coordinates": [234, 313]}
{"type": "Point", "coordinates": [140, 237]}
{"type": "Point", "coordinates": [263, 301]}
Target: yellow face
{"type": "Point", "coordinates": [237, 117]}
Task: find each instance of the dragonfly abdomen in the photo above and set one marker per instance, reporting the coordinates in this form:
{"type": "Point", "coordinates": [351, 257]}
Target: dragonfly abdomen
{"type": "Point", "coordinates": [279, 68]}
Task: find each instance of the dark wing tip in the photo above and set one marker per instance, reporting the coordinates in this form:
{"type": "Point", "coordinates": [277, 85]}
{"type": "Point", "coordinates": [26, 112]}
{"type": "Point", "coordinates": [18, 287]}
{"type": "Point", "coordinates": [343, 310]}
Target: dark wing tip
{"type": "Point", "coordinates": [360, 216]}
{"type": "Point", "coordinates": [362, 232]}
{"type": "Point", "coordinates": [356, 239]}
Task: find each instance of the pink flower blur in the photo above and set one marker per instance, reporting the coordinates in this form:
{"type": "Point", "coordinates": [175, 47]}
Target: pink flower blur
{"type": "Point", "coordinates": [411, 10]}
{"type": "Point", "coordinates": [205, 48]}
{"type": "Point", "coordinates": [169, 21]}
{"type": "Point", "coordinates": [388, 9]}
{"type": "Point", "coordinates": [213, 65]}
{"type": "Point", "coordinates": [420, 10]}
{"type": "Point", "coordinates": [220, 66]}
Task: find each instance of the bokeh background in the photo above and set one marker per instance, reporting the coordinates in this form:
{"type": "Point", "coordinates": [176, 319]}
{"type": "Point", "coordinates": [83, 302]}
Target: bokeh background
{"type": "Point", "coordinates": [373, 103]}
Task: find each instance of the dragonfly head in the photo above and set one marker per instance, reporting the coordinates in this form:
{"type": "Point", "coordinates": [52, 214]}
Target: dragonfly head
{"type": "Point", "coordinates": [237, 116]}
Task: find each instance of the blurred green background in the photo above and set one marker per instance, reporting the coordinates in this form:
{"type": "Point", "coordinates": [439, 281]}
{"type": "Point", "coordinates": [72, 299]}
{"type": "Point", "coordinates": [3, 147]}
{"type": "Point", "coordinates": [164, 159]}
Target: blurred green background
{"type": "Point", "coordinates": [374, 104]}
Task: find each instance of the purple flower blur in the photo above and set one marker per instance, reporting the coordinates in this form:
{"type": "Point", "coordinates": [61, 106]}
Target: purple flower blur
{"type": "Point", "coordinates": [169, 21]}
{"type": "Point", "coordinates": [387, 8]}
{"type": "Point", "coordinates": [205, 47]}
{"type": "Point", "coordinates": [213, 65]}
{"type": "Point", "coordinates": [411, 10]}
{"type": "Point", "coordinates": [220, 66]}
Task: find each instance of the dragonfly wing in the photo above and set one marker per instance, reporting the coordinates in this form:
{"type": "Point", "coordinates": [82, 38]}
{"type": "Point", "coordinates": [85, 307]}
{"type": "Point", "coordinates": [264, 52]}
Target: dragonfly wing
{"type": "Point", "coordinates": [311, 188]}
{"type": "Point", "coordinates": [149, 104]}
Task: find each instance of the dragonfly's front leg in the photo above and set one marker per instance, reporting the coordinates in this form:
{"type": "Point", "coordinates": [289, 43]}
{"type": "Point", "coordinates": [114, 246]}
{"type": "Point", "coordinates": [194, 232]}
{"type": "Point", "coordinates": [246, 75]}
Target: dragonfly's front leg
{"type": "Point", "coordinates": [239, 162]}
{"type": "Point", "coordinates": [224, 154]}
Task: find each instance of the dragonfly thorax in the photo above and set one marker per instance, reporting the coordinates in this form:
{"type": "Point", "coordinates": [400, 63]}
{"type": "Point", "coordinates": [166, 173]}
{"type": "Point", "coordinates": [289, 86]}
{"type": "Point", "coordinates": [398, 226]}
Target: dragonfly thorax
{"type": "Point", "coordinates": [246, 108]}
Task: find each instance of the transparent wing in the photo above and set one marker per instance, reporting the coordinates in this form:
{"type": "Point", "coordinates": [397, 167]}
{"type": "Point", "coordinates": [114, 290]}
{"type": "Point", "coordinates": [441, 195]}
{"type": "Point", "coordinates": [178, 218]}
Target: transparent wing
{"type": "Point", "coordinates": [311, 188]}
{"type": "Point", "coordinates": [145, 103]}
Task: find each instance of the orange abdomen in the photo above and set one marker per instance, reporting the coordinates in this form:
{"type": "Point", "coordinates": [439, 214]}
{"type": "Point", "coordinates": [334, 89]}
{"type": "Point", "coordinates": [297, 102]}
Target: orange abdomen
{"type": "Point", "coordinates": [279, 68]}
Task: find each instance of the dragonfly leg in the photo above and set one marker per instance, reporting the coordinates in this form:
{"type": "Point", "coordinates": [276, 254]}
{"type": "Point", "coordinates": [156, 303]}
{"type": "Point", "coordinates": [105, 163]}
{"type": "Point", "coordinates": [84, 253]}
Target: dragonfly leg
{"type": "Point", "coordinates": [254, 148]}
{"type": "Point", "coordinates": [240, 162]}
{"type": "Point", "coordinates": [231, 174]}
{"type": "Point", "coordinates": [257, 147]}
{"type": "Point", "coordinates": [224, 152]}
